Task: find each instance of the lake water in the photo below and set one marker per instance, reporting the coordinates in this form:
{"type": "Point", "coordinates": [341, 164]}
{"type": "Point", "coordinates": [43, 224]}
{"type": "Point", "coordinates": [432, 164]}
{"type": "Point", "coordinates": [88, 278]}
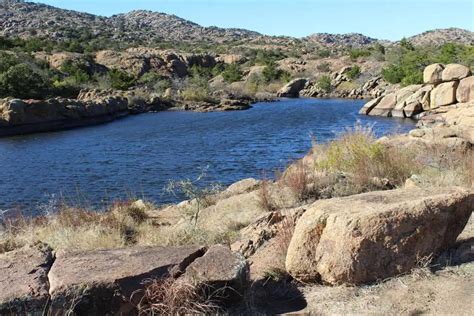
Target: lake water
{"type": "Point", "coordinates": [138, 155]}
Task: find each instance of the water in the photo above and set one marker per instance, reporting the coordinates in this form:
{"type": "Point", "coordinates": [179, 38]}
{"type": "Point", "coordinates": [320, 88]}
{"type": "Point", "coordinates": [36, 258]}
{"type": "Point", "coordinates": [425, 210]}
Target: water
{"type": "Point", "coordinates": [138, 155]}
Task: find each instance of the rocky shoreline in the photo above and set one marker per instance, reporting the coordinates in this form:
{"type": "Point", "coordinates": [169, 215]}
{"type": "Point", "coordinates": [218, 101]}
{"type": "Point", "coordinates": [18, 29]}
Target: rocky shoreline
{"type": "Point", "coordinates": [19, 117]}
{"type": "Point", "coordinates": [274, 240]}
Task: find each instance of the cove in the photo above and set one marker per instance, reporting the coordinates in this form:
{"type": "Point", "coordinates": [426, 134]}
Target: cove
{"type": "Point", "coordinates": [135, 157]}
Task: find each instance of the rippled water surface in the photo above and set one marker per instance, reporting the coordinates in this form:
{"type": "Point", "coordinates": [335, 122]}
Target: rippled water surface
{"type": "Point", "coordinates": [138, 155]}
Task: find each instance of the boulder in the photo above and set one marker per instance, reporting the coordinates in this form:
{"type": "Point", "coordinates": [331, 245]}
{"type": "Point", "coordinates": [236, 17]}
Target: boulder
{"type": "Point", "coordinates": [455, 72]}
{"type": "Point", "coordinates": [373, 236]}
{"type": "Point", "coordinates": [385, 106]}
{"type": "Point", "coordinates": [433, 73]}
{"type": "Point", "coordinates": [465, 91]}
{"type": "Point", "coordinates": [292, 89]}
{"type": "Point", "coordinates": [231, 59]}
{"type": "Point", "coordinates": [369, 106]}
{"type": "Point", "coordinates": [443, 94]}
{"type": "Point", "coordinates": [402, 95]}
{"type": "Point", "coordinates": [418, 101]}
{"type": "Point", "coordinates": [100, 282]}
{"type": "Point", "coordinates": [24, 280]}
{"type": "Point", "coordinates": [219, 268]}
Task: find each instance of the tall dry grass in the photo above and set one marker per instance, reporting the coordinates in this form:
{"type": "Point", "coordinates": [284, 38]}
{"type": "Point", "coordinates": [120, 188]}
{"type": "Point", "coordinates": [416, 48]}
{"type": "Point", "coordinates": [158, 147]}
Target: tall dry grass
{"type": "Point", "coordinates": [123, 224]}
{"type": "Point", "coordinates": [174, 297]}
{"type": "Point", "coordinates": [364, 163]}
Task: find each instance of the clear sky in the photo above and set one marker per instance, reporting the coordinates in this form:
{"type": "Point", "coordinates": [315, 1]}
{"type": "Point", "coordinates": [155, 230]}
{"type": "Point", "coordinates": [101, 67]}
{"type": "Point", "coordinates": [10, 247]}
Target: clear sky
{"type": "Point", "coordinates": [383, 19]}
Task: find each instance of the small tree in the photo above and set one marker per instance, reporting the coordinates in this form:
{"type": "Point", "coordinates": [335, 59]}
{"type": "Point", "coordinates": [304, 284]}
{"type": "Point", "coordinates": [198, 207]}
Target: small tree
{"type": "Point", "coordinates": [121, 80]}
{"type": "Point", "coordinates": [354, 72]}
{"type": "Point", "coordinates": [22, 81]}
{"type": "Point", "coordinates": [324, 83]}
{"type": "Point", "coordinates": [232, 73]}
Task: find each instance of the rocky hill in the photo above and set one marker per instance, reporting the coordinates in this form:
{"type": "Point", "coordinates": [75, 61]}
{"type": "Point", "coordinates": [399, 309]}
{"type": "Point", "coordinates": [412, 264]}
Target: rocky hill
{"type": "Point", "coordinates": [334, 40]}
{"type": "Point", "coordinates": [28, 19]}
{"type": "Point", "coordinates": [442, 36]}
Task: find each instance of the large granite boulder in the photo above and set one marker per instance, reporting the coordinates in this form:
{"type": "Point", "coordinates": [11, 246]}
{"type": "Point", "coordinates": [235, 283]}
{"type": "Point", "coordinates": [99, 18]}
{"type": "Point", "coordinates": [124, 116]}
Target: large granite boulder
{"type": "Point", "coordinates": [219, 268]}
{"type": "Point", "coordinates": [465, 91]}
{"type": "Point", "coordinates": [292, 89]}
{"type": "Point", "coordinates": [369, 106]}
{"type": "Point", "coordinates": [418, 101]}
{"type": "Point", "coordinates": [433, 73]}
{"type": "Point", "coordinates": [101, 282]}
{"type": "Point", "coordinates": [402, 95]}
{"type": "Point", "coordinates": [385, 106]}
{"type": "Point", "coordinates": [443, 94]}
{"type": "Point", "coordinates": [455, 72]}
{"type": "Point", "coordinates": [373, 236]}
{"type": "Point", "coordinates": [24, 280]}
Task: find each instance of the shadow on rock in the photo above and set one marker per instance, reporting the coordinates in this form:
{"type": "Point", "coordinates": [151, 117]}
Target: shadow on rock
{"type": "Point", "coordinates": [461, 252]}
{"type": "Point", "coordinates": [271, 297]}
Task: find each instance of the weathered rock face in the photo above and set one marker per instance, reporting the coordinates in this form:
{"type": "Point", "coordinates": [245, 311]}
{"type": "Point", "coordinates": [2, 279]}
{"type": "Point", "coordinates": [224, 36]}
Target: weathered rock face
{"type": "Point", "coordinates": [219, 268]}
{"type": "Point", "coordinates": [24, 280]}
{"type": "Point", "coordinates": [19, 116]}
{"type": "Point", "coordinates": [402, 95]}
{"type": "Point", "coordinates": [465, 91]}
{"type": "Point", "coordinates": [369, 106]}
{"type": "Point", "coordinates": [385, 106]}
{"type": "Point", "coordinates": [455, 72]}
{"type": "Point", "coordinates": [433, 73]}
{"type": "Point", "coordinates": [96, 282]}
{"type": "Point", "coordinates": [292, 89]}
{"type": "Point", "coordinates": [415, 99]}
{"type": "Point", "coordinates": [380, 234]}
{"type": "Point", "coordinates": [443, 94]}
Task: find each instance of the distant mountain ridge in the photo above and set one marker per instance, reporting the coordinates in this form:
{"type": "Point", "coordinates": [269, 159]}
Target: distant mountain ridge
{"type": "Point", "coordinates": [28, 19]}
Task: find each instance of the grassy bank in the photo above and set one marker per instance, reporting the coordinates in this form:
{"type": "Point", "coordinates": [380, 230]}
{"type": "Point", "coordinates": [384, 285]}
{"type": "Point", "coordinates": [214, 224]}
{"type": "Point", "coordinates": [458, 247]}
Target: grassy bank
{"type": "Point", "coordinates": [355, 162]}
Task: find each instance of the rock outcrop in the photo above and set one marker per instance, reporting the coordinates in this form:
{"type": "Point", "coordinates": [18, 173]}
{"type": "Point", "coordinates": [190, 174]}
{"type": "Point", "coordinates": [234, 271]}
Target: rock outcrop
{"type": "Point", "coordinates": [373, 236]}
{"type": "Point", "coordinates": [292, 89]}
{"type": "Point", "coordinates": [443, 86]}
{"type": "Point", "coordinates": [24, 280]}
{"type": "Point", "coordinates": [220, 268]}
{"type": "Point", "coordinates": [102, 282]}
{"type": "Point", "coordinates": [31, 116]}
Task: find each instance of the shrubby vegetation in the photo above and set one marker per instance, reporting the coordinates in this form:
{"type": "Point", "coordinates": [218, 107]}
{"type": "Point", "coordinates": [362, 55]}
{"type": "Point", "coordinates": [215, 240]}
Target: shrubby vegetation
{"type": "Point", "coordinates": [324, 83]}
{"type": "Point", "coordinates": [354, 72]}
{"type": "Point", "coordinates": [407, 62]}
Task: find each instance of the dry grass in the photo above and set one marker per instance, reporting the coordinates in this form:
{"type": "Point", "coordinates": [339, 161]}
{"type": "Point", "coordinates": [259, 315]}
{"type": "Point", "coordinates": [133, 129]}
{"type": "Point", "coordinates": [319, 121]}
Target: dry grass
{"type": "Point", "coordinates": [446, 166]}
{"type": "Point", "coordinates": [265, 199]}
{"type": "Point", "coordinates": [365, 164]}
{"type": "Point", "coordinates": [123, 224]}
{"type": "Point", "coordinates": [171, 297]}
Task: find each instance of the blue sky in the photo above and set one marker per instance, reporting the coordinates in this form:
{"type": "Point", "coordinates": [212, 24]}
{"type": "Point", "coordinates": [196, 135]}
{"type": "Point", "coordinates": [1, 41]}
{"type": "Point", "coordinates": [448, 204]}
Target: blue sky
{"type": "Point", "coordinates": [382, 19]}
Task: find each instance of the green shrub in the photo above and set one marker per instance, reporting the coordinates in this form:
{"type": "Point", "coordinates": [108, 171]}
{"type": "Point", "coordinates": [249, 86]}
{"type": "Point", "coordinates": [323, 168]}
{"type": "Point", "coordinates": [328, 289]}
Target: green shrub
{"type": "Point", "coordinates": [121, 80]}
{"type": "Point", "coordinates": [7, 60]}
{"type": "Point", "coordinates": [22, 81]}
{"type": "Point", "coordinates": [393, 74]}
{"type": "Point", "coordinates": [354, 72]}
{"type": "Point", "coordinates": [324, 67]}
{"type": "Point", "coordinates": [324, 83]}
{"type": "Point", "coordinates": [232, 73]}
{"type": "Point", "coordinates": [77, 70]}
{"type": "Point", "coordinates": [406, 44]}
{"type": "Point", "coordinates": [354, 54]}
{"type": "Point", "coordinates": [323, 53]}
{"type": "Point", "coordinates": [271, 73]}
{"type": "Point", "coordinates": [196, 89]}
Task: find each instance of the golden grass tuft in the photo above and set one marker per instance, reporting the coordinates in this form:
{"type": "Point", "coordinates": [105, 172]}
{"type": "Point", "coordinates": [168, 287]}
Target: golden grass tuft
{"type": "Point", "coordinates": [174, 297]}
